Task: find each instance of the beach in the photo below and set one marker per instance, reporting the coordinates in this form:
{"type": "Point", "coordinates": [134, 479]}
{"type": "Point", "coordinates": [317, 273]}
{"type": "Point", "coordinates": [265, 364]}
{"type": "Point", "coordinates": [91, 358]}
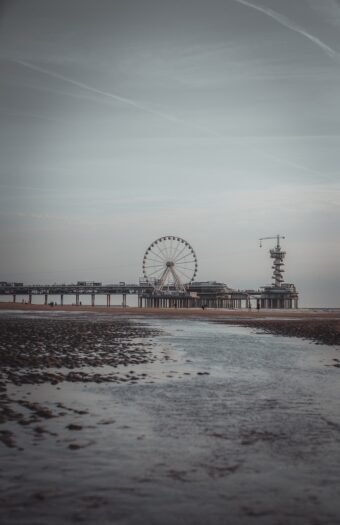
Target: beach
{"type": "Point", "coordinates": [321, 325]}
{"type": "Point", "coordinates": [137, 416]}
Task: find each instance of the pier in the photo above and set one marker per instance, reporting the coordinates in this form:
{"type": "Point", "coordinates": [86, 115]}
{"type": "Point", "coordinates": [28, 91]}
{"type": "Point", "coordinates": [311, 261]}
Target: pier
{"type": "Point", "coordinates": [198, 295]}
{"type": "Point", "coordinates": [76, 290]}
{"type": "Point", "coordinates": [169, 270]}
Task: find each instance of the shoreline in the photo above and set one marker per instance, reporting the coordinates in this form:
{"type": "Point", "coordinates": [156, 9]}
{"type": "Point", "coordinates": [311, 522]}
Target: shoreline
{"type": "Point", "coordinates": [319, 326]}
{"type": "Point", "coordinates": [180, 312]}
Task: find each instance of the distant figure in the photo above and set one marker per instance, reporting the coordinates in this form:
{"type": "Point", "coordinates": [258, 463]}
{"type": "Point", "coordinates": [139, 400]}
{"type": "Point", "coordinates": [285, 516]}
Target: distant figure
{"type": "Point", "coordinates": [203, 306]}
{"type": "Point", "coordinates": [257, 304]}
{"type": "Point", "coordinates": [80, 303]}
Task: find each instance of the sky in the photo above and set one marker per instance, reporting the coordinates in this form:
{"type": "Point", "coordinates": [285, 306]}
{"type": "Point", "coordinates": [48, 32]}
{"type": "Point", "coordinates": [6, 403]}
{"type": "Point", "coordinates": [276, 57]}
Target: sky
{"type": "Point", "coordinates": [215, 120]}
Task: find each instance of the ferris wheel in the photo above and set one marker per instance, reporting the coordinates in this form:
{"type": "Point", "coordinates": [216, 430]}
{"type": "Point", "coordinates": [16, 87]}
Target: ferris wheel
{"type": "Point", "coordinates": [170, 263]}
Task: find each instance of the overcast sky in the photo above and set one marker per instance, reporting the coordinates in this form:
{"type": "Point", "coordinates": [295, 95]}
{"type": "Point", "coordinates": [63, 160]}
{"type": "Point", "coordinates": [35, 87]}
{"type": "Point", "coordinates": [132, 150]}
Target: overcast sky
{"type": "Point", "coordinates": [215, 120]}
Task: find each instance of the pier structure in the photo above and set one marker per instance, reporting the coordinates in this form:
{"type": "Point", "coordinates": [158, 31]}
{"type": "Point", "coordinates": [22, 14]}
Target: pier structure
{"type": "Point", "coordinates": [210, 294]}
{"type": "Point", "coordinates": [169, 271]}
{"type": "Point", "coordinates": [200, 295]}
{"type": "Point", "coordinates": [75, 290]}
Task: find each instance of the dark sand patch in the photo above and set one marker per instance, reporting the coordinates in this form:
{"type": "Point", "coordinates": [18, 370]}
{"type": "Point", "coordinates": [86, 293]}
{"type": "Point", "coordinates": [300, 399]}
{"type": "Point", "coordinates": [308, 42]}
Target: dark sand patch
{"type": "Point", "coordinates": [37, 351]}
{"type": "Point", "coordinates": [324, 331]}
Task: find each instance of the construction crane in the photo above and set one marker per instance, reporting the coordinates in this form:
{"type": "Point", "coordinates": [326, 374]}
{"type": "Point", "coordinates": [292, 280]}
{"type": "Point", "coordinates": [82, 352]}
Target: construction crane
{"type": "Point", "coordinates": [278, 255]}
{"type": "Point", "coordinates": [277, 237]}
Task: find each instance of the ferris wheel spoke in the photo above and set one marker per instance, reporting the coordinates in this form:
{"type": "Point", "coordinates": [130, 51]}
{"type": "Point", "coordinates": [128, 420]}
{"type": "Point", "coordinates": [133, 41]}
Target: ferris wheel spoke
{"type": "Point", "coordinates": [158, 261]}
{"type": "Point", "coordinates": [154, 266]}
{"type": "Point", "coordinates": [170, 249]}
{"type": "Point", "coordinates": [154, 272]}
{"type": "Point", "coordinates": [187, 254]}
{"type": "Point", "coordinates": [178, 249]}
{"type": "Point", "coordinates": [184, 257]}
{"type": "Point", "coordinates": [185, 269]}
{"type": "Point", "coordinates": [180, 252]}
{"type": "Point", "coordinates": [175, 250]}
{"type": "Point", "coordinates": [168, 246]}
{"type": "Point", "coordinates": [157, 255]}
{"type": "Point", "coordinates": [164, 254]}
{"type": "Point", "coordinates": [188, 268]}
{"type": "Point", "coordinates": [192, 262]}
{"type": "Point", "coordinates": [162, 251]}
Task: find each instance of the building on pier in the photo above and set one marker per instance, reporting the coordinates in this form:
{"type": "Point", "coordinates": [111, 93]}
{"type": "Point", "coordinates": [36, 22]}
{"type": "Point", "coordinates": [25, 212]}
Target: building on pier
{"type": "Point", "coordinates": [209, 294]}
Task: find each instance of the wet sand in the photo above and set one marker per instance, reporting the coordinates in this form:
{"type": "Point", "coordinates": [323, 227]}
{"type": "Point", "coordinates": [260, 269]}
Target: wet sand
{"type": "Point", "coordinates": [180, 312]}
{"type": "Point", "coordinates": [36, 350]}
{"type": "Point", "coordinates": [104, 417]}
{"type": "Point", "coordinates": [320, 330]}
{"type": "Point", "coordinates": [315, 324]}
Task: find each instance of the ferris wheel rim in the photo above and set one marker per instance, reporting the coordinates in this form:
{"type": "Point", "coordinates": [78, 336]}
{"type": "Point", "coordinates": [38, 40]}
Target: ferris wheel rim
{"type": "Point", "coordinates": [170, 256]}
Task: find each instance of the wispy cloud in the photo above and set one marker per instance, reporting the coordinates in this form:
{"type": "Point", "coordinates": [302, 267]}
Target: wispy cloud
{"type": "Point", "coordinates": [290, 163]}
{"type": "Point", "coordinates": [113, 96]}
{"type": "Point", "coordinates": [289, 24]}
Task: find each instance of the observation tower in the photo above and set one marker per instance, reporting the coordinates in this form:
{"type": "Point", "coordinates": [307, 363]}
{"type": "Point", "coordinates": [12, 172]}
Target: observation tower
{"type": "Point", "coordinates": [279, 294]}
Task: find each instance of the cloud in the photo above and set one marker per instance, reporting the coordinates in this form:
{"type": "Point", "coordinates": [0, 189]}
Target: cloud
{"type": "Point", "coordinates": [290, 163]}
{"type": "Point", "coordinates": [113, 96]}
{"type": "Point", "coordinates": [289, 24]}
